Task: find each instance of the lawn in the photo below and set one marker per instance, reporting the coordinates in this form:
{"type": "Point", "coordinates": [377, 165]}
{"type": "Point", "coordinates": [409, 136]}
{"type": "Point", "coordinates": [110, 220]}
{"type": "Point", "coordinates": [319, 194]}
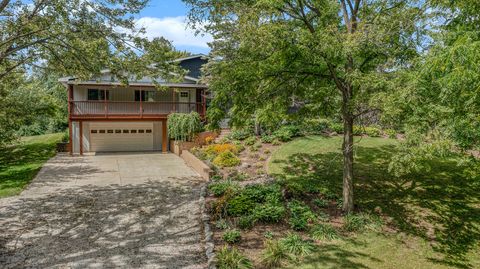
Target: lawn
{"type": "Point", "coordinates": [432, 218]}
{"type": "Point", "coordinates": [20, 163]}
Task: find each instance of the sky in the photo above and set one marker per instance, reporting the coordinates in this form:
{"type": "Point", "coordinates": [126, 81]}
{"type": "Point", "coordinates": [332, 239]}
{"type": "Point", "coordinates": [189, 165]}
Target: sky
{"type": "Point", "coordinates": [167, 18]}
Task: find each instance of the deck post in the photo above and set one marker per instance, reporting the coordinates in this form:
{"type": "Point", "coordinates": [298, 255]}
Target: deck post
{"type": "Point", "coordinates": [70, 98]}
{"type": "Point", "coordinates": [164, 136]}
{"type": "Point", "coordinates": [81, 137]}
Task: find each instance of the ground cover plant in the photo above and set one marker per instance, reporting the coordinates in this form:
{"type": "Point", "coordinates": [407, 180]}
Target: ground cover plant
{"type": "Point", "coordinates": [20, 162]}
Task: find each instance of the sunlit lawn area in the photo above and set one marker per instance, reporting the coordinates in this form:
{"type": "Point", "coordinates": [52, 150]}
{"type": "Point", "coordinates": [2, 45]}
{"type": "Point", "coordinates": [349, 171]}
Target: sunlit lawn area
{"type": "Point", "coordinates": [20, 163]}
{"type": "Point", "coordinates": [432, 218]}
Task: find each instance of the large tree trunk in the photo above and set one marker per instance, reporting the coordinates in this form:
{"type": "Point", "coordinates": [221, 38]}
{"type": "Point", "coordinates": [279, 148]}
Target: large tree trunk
{"type": "Point", "coordinates": [347, 149]}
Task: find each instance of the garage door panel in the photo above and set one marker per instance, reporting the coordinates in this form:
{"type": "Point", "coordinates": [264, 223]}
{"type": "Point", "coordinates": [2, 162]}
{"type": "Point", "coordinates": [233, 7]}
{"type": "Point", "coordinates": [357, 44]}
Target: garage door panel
{"type": "Point", "coordinates": [121, 136]}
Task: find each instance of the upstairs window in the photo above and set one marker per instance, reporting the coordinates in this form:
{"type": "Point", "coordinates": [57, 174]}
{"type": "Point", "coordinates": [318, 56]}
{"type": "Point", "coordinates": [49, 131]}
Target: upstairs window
{"type": "Point", "coordinates": [146, 96]}
{"type": "Point", "coordinates": [98, 95]}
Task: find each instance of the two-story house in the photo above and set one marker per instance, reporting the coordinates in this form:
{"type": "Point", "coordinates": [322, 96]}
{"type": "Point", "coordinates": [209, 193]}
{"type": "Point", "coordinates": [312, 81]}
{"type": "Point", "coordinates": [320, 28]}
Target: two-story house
{"type": "Point", "coordinates": [106, 116]}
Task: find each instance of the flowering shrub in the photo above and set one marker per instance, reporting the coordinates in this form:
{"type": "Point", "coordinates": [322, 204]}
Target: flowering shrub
{"type": "Point", "coordinates": [215, 149]}
{"type": "Point", "coordinates": [209, 140]}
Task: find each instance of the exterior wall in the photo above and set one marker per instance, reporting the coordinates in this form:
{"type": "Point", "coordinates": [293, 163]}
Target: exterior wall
{"type": "Point", "coordinates": [80, 93]}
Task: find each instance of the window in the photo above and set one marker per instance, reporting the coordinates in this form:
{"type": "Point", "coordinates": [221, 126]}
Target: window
{"type": "Point", "coordinates": [184, 94]}
{"type": "Point", "coordinates": [148, 131]}
{"type": "Point", "coordinates": [96, 94]}
{"type": "Point", "coordinates": [102, 131]}
{"type": "Point", "coordinates": [141, 131]}
{"type": "Point", "coordinates": [93, 131]}
{"type": "Point", "coordinates": [147, 96]}
{"type": "Point", "coordinates": [133, 131]}
{"type": "Point", "coordinates": [110, 131]}
{"type": "Point", "coordinates": [126, 131]}
{"type": "Point", "coordinates": [118, 131]}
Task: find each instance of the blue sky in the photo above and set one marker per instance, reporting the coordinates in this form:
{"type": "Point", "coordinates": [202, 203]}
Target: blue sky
{"type": "Point", "coordinates": [167, 18]}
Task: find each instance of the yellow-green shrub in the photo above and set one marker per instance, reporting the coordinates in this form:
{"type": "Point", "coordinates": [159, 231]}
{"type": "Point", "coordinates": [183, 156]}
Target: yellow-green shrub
{"type": "Point", "coordinates": [226, 159]}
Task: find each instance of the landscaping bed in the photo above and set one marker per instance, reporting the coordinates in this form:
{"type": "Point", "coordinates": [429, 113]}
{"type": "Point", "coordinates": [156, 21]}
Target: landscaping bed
{"type": "Point", "coordinates": [292, 218]}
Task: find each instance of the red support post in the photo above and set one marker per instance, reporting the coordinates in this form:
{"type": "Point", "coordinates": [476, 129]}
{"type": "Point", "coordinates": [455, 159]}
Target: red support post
{"type": "Point", "coordinates": [141, 104]}
{"type": "Point", "coordinates": [81, 137]}
{"type": "Point", "coordinates": [105, 103]}
{"type": "Point", "coordinates": [70, 133]}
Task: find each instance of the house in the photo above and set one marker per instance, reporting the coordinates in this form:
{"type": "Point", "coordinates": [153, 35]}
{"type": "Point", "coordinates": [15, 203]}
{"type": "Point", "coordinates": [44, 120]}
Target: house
{"type": "Point", "coordinates": [106, 116]}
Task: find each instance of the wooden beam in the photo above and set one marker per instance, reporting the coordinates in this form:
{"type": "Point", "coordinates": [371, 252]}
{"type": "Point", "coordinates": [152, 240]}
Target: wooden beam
{"type": "Point", "coordinates": [164, 136]}
{"type": "Point", "coordinates": [81, 137]}
{"type": "Point", "coordinates": [70, 98]}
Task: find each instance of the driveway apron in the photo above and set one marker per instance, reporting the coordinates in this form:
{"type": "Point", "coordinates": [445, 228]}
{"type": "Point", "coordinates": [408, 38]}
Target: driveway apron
{"type": "Point", "coordinates": [105, 211]}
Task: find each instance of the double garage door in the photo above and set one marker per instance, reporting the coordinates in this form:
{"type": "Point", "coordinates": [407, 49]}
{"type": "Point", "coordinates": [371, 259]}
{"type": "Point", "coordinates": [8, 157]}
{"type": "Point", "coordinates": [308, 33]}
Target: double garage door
{"type": "Point", "coordinates": [122, 136]}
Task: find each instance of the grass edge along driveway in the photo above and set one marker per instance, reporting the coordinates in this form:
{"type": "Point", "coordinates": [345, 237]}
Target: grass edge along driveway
{"type": "Point", "coordinates": [19, 163]}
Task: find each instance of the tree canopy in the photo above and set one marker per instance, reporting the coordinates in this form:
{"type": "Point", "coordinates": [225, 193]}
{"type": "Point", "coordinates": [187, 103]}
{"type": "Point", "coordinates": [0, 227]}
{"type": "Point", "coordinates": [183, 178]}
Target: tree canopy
{"type": "Point", "coordinates": [338, 55]}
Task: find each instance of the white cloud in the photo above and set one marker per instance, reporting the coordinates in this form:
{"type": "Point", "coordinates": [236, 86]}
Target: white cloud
{"type": "Point", "coordinates": [174, 29]}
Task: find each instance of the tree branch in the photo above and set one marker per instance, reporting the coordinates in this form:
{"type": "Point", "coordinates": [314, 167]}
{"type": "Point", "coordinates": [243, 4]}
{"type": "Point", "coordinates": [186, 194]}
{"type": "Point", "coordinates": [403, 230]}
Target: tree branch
{"type": "Point", "coordinates": [3, 5]}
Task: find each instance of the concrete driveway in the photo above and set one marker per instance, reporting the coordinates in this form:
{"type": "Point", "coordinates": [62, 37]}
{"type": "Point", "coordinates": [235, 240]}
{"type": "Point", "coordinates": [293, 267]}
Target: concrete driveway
{"type": "Point", "coordinates": [105, 211]}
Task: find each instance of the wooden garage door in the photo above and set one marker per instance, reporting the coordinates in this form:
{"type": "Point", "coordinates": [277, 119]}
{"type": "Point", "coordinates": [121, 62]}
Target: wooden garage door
{"type": "Point", "coordinates": [121, 136]}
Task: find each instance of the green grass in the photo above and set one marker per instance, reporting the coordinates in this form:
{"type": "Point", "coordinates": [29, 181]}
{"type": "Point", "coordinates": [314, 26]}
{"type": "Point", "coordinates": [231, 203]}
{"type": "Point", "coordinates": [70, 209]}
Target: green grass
{"type": "Point", "coordinates": [438, 212]}
{"type": "Point", "coordinates": [20, 163]}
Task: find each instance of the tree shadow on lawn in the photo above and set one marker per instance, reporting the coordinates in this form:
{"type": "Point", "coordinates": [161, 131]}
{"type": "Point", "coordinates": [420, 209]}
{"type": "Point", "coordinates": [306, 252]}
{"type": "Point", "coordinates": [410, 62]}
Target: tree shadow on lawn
{"type": "Point", "coordinates": [440, 206]}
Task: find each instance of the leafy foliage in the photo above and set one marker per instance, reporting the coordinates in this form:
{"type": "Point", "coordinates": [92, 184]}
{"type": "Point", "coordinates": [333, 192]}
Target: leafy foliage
{"type": "Point", "coordinates": [301, 216]}
{"type": "Point", "coordinates": [219, 188]}
{"type": "Point", "coordinates": [183, 126]}
{"type": "Point", "coordinates": [295, 245]}
{"type": "Point", "coordinates": [274, 254]}
{"type": "Point", "coordinates": [231, 258]}
{"type": "Point", "coordinates": [323, 231]}
{"type": "Point", "coordinates": [232, 236]}
{"type": "Point", "coordinates": [226, 159]}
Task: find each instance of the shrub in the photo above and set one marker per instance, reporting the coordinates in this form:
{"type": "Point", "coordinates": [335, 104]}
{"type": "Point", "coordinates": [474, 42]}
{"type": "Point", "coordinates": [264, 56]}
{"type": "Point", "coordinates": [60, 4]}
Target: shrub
{"type": "Point", "coordinates": [183, 126]}
{"type": "Point", "coordinates": [246, 222]}
{"type": "Point", "coordinates": [238, 176]}
{"type": "Point", "coordinates": [320, 202]}
{"type": "Point", "coordinates": [239, 145]}
{"type": "Point", "coordinates": [285, 133]}
{"type": "Point", "coordinates": [276, 142]}
{"type": "Point", "coordinates": [219, 148]}
{"type": "Point", "coordinates": [232, 236]}
{"type": "Point", "coordinates": [275, 254]}
{"type": "Point", "coordinates": [300, 215]}
{"type": "Point", "coordinates": [246, 201]}
{"type": "Point", "coordinates": [269, 212]}
{"type": "Point", "coordinates": [323, 231]}
{"type": "Point", "coordinates": [337, 127]}
{"type": "Point", "coordinates": [240, 134]}
{"type": "Point", "coordinates": [390, 133]}
{"type": "Point", "coordinates": [221, 224]}
{"type": "Point", "coordinates": [231, 258]}
{"type": "Point", "coordinates": [315, 126]}
{"type": "Point", "coordinates": [372, 131]}
{"type": "Point", "coordinates": [250, 140]}
{"type": "Point", "coordinates": [295, 245]}
{"type": "Point", "coordinates": [226, 159]}
{"type": "Point", "coordinates": [267, 139]}
{"type": "Point", "coordinates": [360, 222]}
{"type": "Point", "coordinates": [219, 188]}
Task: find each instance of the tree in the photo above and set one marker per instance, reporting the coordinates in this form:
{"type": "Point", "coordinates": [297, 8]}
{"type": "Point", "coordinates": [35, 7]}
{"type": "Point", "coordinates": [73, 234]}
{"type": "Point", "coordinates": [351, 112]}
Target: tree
{"type": "Point", "coordinates": [439, 103]}
{"type": "Point", "coordinates": [77, 37]}
{"type": "Point", "coordinates": [277, 52]}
